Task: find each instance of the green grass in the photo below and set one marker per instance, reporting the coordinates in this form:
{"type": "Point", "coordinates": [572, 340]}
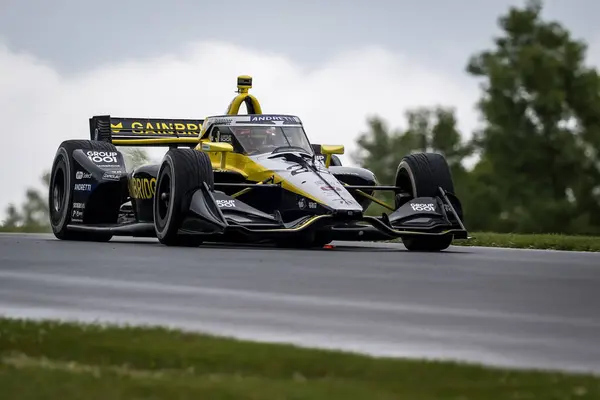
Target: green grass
{"type": "Point", "coordinates": [487, 239]}
{"type": "Point", "coordinates": [532, 241]}
{"type": "Point", "coordinates": [50, 360]}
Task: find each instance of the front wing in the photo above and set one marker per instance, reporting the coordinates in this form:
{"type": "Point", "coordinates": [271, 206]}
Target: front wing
{"type": "Point", "coordinates": [222, 217]}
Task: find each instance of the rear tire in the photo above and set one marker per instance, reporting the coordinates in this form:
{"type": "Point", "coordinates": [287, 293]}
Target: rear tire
{"type": "Point", "coordinates": [60, 193]}
{"type": "Point", "coordinates": [421, 175]}
{"type": "Point", "coordinates": [182, 172]}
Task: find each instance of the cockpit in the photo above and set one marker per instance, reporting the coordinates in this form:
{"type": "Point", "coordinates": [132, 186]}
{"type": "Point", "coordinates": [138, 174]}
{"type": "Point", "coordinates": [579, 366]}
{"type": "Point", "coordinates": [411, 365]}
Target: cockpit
{"type": "Point", "coordinates": [260, 139]}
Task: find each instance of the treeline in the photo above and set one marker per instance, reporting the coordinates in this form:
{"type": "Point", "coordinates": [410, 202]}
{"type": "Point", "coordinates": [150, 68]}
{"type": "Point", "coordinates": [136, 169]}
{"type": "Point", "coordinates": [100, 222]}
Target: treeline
{"type": "Point", "coordinates": [536, 157]}
{"type": "Point", "coordinates": [537, 166]}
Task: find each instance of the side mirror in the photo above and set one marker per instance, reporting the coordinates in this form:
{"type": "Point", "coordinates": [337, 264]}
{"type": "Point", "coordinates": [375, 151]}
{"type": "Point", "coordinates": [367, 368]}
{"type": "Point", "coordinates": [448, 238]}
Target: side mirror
{"type": "Point", "coordinates": [329, 150]}
{"type": "Point", "coordinates": [218, 147]}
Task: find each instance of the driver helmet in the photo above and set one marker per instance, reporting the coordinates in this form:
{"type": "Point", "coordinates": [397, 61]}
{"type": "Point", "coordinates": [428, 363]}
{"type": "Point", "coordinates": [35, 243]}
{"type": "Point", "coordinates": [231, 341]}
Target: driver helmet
{"type": "Point", "coordinates": [270, 134]}
{"type": "Point", "coordinates": [256, 137]}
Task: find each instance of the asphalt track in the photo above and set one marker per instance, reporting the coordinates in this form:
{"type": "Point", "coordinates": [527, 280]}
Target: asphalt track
{"type": "Point", "coordinates": [521, 308]}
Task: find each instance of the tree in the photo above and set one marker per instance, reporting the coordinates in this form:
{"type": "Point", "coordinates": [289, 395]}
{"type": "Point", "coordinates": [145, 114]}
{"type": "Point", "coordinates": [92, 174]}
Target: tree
{"type": "Point", "coordinates": [380, 149]}
{"type": "Point", "coordinates": [33, 215]}
{"type": "Point", "coordinates": [539, 146]}
{"type": "Point", "coordinates": [13, 217]}
{"type": "Point", "coordinates": [134, 157]}
{"type": "Point", "coordinates": [435, 130]}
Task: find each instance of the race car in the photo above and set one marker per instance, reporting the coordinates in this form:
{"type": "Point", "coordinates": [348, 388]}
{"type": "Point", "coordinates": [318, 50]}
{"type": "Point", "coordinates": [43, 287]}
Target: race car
{"type": "Point", "coordinates": [242, 178]}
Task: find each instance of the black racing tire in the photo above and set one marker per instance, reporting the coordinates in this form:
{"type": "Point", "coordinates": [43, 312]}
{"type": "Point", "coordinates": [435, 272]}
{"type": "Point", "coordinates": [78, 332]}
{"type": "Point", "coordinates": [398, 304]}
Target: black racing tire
{"type": "Point", "coordinates": [427, 243]}
{"type": "Point", "coordinates": [181, 173]}
{"type": "Point", "coordinates": [60, 191]}
{"type": "Point", "coordinates": [421, 174]}
{"type": "Point", "coordinates": [335, 161]}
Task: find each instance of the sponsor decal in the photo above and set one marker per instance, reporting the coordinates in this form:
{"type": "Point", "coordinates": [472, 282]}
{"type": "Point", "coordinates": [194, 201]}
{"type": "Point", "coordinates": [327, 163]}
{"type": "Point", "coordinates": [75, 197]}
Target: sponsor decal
{"type": "Point", "coordinates": [226, 138]}
{"type": "Point", "coordinates": [142, 188]}
{"type": "Point", "coordinates": [302, 204]}
{"type": "Point", "coordinates": [103, 157]}
{"type": "Point", "coordinates": [110, 176]}
{"type": "Point", "coordinates": [160, 128]}
{"type": "Point", "coordinates": [423, 206]}
{"type": "Point", "coordinates": [226, 203]}
{"type": "Point", "coordinates": [77, 214]}
{"type": "Point", "coordinates": [263, 118]}
{"type": "Point", "coordinates": [79, 206]}
{"type": "Point", "coordinates": [226, 121]}
{"type": "Point", "coordinates": [297, 169]}
{"type": "Point", "coordinates": [334, 188]}
{"type": "Point", "coordinates": [79, 175]}
{"type": "Point", "coordinates": [83, 187]}
{"type": "Point", "coordinates": [301, 169]}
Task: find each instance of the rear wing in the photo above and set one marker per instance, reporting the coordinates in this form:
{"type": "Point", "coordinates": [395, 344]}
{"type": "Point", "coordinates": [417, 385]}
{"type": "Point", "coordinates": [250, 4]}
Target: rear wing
{"type": "Point", "coordinates": [145, 131]}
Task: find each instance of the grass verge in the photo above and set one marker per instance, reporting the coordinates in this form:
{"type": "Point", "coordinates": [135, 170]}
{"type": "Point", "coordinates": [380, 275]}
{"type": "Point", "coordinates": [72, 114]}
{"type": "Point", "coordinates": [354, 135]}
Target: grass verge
{"type": "Point", "coordinates": [52, 360]}
{"type": "Point", "coordinates": [487, 239]}
{"type": "Point", "coordinates": [533, 241]}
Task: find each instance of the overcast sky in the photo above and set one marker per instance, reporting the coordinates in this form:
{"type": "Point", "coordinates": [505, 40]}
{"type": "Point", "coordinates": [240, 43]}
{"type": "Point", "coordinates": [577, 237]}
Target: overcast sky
{"type": "Point", "coordinates": [64, 61]}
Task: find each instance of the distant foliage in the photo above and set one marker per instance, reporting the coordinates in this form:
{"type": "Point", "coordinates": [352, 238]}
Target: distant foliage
{"type": "Point", "coordinates": [538, 168]}
{"type": "Point", "coordinates": [541, 137]}
{"type": "Point", "coordinates": [32, 215]}
{"type": "Point", "coordinates": [135, 157]}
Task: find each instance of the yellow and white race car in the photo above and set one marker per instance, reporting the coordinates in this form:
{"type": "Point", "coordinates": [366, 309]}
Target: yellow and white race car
{"type": "Point", "coordinates": [234, 177]}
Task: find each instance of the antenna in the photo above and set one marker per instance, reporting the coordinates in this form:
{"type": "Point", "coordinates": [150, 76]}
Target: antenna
{"type": "Point", "coordinates": [244, 83]}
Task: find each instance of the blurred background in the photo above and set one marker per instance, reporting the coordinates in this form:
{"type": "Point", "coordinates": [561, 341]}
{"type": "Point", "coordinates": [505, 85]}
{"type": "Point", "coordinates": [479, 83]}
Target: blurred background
{"type": "Point", "coordinates": [508, 91]}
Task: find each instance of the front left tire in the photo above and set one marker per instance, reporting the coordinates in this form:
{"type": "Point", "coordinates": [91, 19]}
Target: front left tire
{"type": "Point", "coordinates": [182, 172]}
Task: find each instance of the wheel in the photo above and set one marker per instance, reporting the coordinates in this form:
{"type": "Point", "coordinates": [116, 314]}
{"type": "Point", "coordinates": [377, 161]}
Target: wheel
{"type": "Point", "coordinates": [60, 193]}
{"type": "Point", "coordinates": [427, 243]}
{"type": "Point", "coordinates": [181, 173]}
{"type": "Point", "coordinates": [421, 174]}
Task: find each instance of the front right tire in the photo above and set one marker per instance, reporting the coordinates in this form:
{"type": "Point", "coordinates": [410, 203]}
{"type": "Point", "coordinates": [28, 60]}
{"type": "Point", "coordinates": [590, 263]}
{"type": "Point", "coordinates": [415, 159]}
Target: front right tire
{"type": "Point", "coordinates": [421, 174]}
{"type": "Point", "coordinates": [182, 172]}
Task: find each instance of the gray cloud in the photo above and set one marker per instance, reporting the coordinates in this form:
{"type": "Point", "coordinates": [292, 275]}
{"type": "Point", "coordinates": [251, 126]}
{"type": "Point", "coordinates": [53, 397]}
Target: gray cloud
{"type": "Point", "coordinates": [77, 35]}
